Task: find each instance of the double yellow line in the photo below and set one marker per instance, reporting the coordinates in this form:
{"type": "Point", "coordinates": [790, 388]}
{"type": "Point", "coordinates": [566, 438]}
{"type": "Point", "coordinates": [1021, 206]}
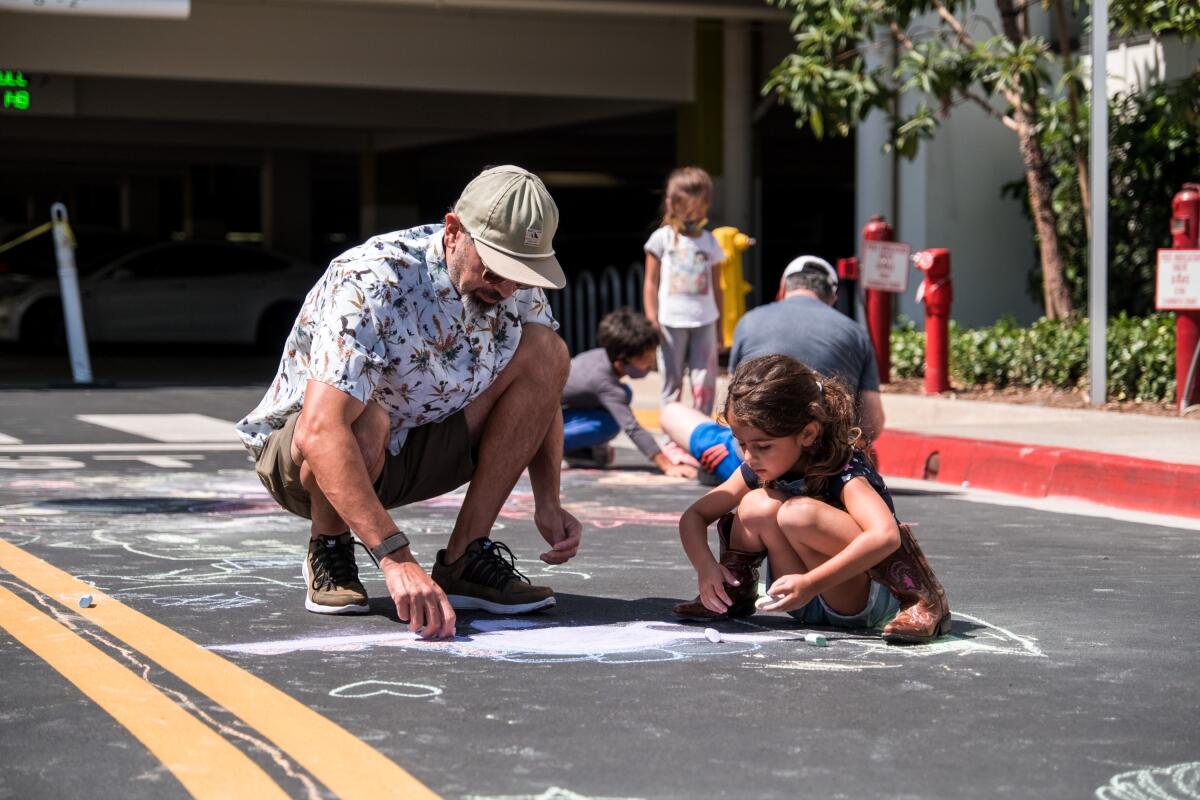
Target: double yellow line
{"type": "Point", "coordinates": [203, 761]}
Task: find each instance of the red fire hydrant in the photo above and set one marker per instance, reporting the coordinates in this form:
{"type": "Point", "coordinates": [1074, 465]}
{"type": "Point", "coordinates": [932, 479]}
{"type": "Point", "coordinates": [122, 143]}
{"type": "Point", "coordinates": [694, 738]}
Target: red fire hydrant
{"type": "Point", "coordinates": [936, 291]}
{"type": "Point", "coordinates": [879, 303]}
{"type": "Point", "coordinates": [1185, 234]}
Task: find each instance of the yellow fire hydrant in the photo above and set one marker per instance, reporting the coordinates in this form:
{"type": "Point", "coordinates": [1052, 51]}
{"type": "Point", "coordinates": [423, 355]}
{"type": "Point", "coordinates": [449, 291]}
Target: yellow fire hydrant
{"type": "Point", "coordinates": [733, 280]}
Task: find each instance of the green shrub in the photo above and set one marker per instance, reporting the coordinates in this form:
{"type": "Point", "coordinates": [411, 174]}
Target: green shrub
{"type": "Point", "coordinates": [1051, 353]}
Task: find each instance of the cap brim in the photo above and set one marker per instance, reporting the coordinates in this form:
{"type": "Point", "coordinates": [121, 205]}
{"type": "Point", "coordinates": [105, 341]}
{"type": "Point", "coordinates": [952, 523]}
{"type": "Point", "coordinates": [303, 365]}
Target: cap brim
{"type": "Point", "coordinates": [545, 273]}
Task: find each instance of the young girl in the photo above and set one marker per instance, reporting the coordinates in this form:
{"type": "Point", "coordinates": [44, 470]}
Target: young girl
{"type": "Point", "coordinates": [682, 293]}
{"type": "Point", "coordinates": [815, 508]}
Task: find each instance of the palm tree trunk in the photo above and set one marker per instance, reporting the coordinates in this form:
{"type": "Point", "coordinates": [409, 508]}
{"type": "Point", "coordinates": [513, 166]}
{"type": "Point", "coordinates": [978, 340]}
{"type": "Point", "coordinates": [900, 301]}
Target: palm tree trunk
{"type": "Point", "coordinates": [1055, 295]}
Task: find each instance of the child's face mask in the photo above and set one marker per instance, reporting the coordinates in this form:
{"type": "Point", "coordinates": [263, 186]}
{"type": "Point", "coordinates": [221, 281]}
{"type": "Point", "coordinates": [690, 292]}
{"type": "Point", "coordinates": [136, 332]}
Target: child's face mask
{"type": "Point", "coordinates": [691, 226]}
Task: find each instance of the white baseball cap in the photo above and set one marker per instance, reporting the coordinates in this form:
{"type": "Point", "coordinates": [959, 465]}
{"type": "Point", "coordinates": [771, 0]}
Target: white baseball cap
{"type": "Point", "coordinates": [798, 264]}
{"type": "Point", "coordinates": [511, 216]}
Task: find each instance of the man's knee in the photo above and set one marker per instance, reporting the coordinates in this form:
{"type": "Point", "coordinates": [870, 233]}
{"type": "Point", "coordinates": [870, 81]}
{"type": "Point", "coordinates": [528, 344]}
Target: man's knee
{"type": "Point", "coordinates": [543, 352]}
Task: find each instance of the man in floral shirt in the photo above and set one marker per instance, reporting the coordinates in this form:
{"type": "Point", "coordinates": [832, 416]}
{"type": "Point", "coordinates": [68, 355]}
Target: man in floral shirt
{"type": "Point", "coordinates": [422, 360]}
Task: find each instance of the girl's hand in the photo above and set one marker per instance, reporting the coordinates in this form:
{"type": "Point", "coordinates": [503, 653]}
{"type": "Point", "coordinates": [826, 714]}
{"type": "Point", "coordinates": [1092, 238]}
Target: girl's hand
{"type": "Point", "coordinates": [790, 592]}
{"type": "Point", "coordinates": [712, 588]}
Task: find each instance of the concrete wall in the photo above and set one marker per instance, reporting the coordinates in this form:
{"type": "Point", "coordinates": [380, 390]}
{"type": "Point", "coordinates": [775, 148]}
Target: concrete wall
{"type": "Point", "coordinates": [367, 47]}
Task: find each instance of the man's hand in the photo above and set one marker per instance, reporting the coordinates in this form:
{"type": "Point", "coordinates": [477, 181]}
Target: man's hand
{"type": "Point", "coordinates": [418, 599]}
{"type": "Point", "coordinates": [558, 527]}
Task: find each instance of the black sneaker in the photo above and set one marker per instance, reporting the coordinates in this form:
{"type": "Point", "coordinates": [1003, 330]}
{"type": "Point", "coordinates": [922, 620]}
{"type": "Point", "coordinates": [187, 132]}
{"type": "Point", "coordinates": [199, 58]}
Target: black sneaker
{"type": "Point", "coordinates": [486, 578]}
{"type": "Point", "coordinates": [598, 457]}
{"type": "Point", "coordinates": [331, 577]}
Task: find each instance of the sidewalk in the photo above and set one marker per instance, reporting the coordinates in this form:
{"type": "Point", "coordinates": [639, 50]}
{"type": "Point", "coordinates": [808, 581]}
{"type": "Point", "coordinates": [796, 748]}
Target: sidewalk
{"type": "Point", "coordinates": [1126, 461]}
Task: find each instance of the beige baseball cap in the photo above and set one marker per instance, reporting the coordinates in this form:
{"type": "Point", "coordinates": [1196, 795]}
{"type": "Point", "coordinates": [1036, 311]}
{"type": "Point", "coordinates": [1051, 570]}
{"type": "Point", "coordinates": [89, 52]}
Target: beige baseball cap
{"type": "Point", "coordinates": [512, 218]}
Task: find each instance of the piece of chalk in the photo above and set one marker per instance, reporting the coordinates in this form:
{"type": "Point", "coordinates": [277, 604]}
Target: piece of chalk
{"type": "Point", "coordinates": [764, 601]}
{"type": "Point", "coordinates": [85, 601]}
{"type": "Point", "coordinates": [712, 634]}
{"type": "Point", "coordinates": [816, 639]}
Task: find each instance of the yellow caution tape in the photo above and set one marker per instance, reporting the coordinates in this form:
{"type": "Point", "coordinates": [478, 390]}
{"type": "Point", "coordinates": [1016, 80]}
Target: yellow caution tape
{"type": "Point", "coordinates": [38, 231]}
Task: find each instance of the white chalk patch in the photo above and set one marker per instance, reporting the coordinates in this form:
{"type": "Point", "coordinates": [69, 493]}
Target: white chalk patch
{"type": "Point", "coordinates": [166, 427]}
{"type": "Point", "coordinates": [553, 793]}
{"type": "Point", "coordinates": [828, 666]}
{"type": "Point", "coordinates": [1176, 782]}
{"type": "Point", "coordinates": [6, 439]}
{"type": "Point", "coordinates": [373, 688]}
{"type": "Point", "coordinates": [713, 635]}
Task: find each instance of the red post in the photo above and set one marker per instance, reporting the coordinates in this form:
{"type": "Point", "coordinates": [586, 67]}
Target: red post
{"type": "Point", "coordinates": [936, 292]}
{"type": "Point", "coordinates": [1185, 234]}
{"type": "Point", "coordinates": [879, 304]}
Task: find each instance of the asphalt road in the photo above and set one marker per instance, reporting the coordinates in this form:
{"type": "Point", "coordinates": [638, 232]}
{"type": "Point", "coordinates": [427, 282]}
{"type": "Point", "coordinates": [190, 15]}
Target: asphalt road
{"type": "Point", "coordinates": [1071, 670]}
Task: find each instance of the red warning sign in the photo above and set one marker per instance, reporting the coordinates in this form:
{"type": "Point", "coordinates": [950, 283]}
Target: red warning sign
{"type": "Point", "coordinates": [885, 265]}
{"type": "Point", "coordinates": [1178, 284]}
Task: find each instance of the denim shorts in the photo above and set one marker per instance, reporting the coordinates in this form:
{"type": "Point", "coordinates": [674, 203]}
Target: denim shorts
{"type": "Point", "coordinates": [881, 606]}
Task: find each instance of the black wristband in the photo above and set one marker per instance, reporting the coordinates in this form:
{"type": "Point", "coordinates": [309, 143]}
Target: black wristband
{"type": "Point", "coordinates": [389, 545]}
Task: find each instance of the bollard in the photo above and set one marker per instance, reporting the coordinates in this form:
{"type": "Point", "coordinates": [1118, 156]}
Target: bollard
{"type": "Point", "coordinates": [879, 304]}
{"type": "Point", "coordinates": [1185, 235]}
{"type": "Point", "coordinates": [936, 291]}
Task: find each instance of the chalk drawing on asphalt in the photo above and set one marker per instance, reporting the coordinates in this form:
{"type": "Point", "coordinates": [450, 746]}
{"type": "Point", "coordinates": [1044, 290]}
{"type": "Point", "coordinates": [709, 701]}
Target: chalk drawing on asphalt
{"type": "Point", "coordinates": [376, 688]}
{"type": "Point", "coordinates": [1176, 782]}
{"type": "Point", "coordinates": [553, 793]}
{"type": "Point", "coordinates": [645, 641]}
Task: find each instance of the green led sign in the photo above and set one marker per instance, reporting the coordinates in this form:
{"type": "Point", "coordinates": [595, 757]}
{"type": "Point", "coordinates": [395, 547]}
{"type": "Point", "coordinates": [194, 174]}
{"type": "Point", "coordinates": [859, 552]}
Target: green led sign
{"type": "Point", "coordinates": [15, 90]}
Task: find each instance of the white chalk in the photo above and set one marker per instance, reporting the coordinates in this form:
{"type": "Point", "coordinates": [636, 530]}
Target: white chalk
{"type": "Point", "coordinates": [713, 635]}
{"type": "Point", "coordinates": [816, 639]}
{"type": "Point", "coordinates": [85, 601]}
{"type": "Point", "coordinates": [966, 484]}
{"type": "Point", "coordinates": [764, 601]}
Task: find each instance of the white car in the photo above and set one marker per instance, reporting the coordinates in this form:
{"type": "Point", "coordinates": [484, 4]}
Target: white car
{"type": "Point", "coordinates": [190, 291]}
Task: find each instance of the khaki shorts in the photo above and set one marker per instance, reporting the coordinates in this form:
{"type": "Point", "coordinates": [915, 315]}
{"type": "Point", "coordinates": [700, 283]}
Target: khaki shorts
{"type": "Point", "coordinates": [435, 459]}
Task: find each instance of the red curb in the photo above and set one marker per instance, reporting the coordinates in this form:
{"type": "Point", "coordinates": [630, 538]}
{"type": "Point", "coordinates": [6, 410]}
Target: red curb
{"type": "Point", "coordinates": [1041, 471]}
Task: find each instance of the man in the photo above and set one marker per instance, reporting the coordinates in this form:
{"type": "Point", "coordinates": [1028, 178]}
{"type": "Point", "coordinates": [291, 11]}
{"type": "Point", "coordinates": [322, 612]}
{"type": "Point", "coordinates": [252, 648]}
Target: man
{"type": "Point", "coordinates": [803, 325]}
{"type": "Point", "coordinates": [422, 360]}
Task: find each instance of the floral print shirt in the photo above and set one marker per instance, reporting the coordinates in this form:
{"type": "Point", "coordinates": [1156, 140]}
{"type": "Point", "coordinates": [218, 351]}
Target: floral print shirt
{"type": "Point", "coordinates": [385, 324]}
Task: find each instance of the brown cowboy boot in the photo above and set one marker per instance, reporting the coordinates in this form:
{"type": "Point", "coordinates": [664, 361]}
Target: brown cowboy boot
{"type": "Point", "coordinates": [924, 611]}
{"type": "Point", "coordinates": [744, 566]}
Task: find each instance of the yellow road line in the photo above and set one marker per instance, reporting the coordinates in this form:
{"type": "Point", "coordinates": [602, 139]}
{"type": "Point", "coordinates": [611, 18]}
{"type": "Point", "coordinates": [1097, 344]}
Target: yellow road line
{"type": "Point", "coordinates": [348, 766]}
{"type": "Point", "coordinates": [205, 763]}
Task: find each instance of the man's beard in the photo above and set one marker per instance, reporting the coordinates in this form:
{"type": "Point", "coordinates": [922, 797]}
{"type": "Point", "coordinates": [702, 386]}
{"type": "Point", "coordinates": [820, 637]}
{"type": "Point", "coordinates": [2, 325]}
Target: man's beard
{"type": "Point", "coordinates": [475, 306]}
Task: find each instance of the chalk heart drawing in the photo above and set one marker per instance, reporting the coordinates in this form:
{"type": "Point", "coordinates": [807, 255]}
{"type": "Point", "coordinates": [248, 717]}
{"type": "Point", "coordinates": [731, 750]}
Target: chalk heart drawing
{"type": "Point", "coordinates": [375, 688]}
{"type": "Point", "coordinates": [1177, 782]}
{"type": "Point", "coordinates": [529, 641]}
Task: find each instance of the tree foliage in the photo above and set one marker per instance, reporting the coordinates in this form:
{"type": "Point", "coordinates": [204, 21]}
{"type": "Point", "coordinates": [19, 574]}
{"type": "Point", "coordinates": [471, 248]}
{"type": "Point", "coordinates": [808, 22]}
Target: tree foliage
{"type": "Point", "coordinates": [1154, 149]}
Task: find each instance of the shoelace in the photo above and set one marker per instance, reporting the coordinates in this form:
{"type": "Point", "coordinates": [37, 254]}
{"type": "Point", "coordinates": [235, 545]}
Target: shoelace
{"type": "Point", "coordinates": [490, 567]}
{"type": "Point", "coordinates": [335, 565]}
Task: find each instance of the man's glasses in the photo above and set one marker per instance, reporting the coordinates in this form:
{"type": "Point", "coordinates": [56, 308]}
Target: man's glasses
{"type": "Point", "coordinates": [493, 279]}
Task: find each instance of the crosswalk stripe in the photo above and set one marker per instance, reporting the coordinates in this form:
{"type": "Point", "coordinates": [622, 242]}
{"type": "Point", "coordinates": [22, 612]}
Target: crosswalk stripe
{"type": "Point", "coordinates": [166, 427]}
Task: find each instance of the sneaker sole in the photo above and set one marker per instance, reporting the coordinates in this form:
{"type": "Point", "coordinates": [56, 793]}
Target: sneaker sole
{"type": "Point", "coordinates": [463, 603]}
{"type": "Point", "coordinates": [317, 608]}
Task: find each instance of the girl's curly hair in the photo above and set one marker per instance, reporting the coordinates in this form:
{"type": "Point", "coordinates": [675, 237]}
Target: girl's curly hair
{"type": "Point", "coordinates": [780, 396]}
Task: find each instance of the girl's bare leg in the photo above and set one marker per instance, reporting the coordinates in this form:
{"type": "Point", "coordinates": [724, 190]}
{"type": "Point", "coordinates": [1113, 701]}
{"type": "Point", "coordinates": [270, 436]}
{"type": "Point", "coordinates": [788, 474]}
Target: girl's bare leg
{"type": "Point", "coordinates": [800, 534]}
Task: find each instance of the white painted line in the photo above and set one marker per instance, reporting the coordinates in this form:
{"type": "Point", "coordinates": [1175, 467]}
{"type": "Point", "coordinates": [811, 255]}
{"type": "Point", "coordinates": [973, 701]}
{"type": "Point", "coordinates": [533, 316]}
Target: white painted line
{"type": "Point", "coordinates": [163, 462]}
{"type": "Point", "coordinates": [143, 447]}
{"type": "Point", "coordinates": [166, 427]}
{"type": "Point", "coordinates": [4, 439]}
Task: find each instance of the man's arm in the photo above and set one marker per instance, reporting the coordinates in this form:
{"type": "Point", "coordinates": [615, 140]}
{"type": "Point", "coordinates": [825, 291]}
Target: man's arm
{"type": "Point", "coordinates": [870, 414]}
{"type": "Point", "coordinates": [326, 443]}
{"type": "Point", "coordinates": [556, 524]}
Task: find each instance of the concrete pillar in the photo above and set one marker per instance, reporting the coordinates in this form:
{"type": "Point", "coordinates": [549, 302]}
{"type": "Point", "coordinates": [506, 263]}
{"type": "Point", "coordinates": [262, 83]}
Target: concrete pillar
{"type": "Point", "coordinates": [287, 203]}
{"type": "Point", "coordinates": [737, 140]}
{"type": "Point", "coordinates": [140, 208]}
{"type": "Point", "coordinates": [875, 172]}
